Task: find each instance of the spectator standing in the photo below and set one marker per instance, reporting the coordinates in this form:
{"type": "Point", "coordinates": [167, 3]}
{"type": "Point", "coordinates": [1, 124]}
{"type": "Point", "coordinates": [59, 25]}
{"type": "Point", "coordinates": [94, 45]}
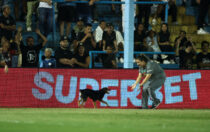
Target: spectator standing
{"type": "Point", "coordinates": [66, 14]}
{"type": "Point", "coordinates": [143, 12]}
{"type": "Point", "coordinates": [160, 11]}
{"type": "Point", "coordinates": [84, 10]}
{"type": "Point", "coordinates": [203, 9]}
{"type": "Point", "coordinates": [7, 23]}
{"type": "Point", "coordinates": [20, 12]}
{"type": "Point", "coordinates": [49, 61]}
{"type": "Point", "coordinates": [82, 59]}
{"type": "Point", "coordinates": [63, 56]}
{"type": "Point", "coordinates": [31, 7]}
{"type": "Point", "coordinates": [203, 58]}
{"type": "Point", "coordinates": [45, 16]}
{"type": "Point", "coordinates": [30, 52]}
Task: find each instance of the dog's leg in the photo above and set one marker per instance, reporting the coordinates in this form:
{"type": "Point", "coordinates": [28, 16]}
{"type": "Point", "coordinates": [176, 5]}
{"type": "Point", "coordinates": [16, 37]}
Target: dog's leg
{"type": "Point", "coordinates": [104, 102]}
{"type": "Point", "coordinates": [83, 103]}
{"type": "Point", "coordinates": [79, 102]}
{"type": "Point", "coordinates": [94, 103]}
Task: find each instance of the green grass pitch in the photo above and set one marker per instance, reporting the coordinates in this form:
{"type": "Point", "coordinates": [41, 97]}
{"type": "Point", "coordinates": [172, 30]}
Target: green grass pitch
{"type": "Point", "coordinates": [103, 120]}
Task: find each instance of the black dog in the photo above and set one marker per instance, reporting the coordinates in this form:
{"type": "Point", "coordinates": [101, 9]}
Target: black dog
{"type": "Point", "coordinates": [94, 95]}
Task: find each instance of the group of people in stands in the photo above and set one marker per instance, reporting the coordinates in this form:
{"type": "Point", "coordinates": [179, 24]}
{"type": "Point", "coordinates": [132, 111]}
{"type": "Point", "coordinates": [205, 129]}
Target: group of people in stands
{"type": "Point", "coordinates": [73, 51]}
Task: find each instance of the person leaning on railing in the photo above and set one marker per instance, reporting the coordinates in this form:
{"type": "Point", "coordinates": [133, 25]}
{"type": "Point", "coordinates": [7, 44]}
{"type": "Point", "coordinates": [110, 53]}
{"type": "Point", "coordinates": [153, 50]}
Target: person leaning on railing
{"type": "Point", "coordinates": [81, 58]}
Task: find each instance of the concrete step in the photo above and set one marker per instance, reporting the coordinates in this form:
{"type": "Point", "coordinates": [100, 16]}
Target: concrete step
{"type": "Point", "coordinates": [195, 37]}
{"type": "Point", "coordinates": [177, 28]}
{"type": "Point", "coordinates": [186, 20]}
{"type": "Point", "coordinates": [181, 10]}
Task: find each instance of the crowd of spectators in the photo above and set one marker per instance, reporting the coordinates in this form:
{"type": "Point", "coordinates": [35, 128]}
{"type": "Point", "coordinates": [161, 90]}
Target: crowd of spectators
{"type": "Point", "coordinates": [76, 42]}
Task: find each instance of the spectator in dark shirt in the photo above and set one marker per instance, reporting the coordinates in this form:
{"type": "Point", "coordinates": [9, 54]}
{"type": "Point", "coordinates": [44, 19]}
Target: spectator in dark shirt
{"type": "Point", "coordinates": [144, 11]}
{"type": "Point", "coordinates": [20, 12]}
{"type": "Point", "coordinates": [109, 59]}
{"type": "Point", "coordinates": [82, 59]}
{"type": "Point", "coordinates": [203, 58]}
{"type": "Point", "coordinates": [87, 39]}
{"type": "Point", "coordinates": [186, 56]}
{"type": "Point", "coordinates": [48, 60]}
{"type": "Point", "coordinates": [84, 10]}
{"type": "Point", "coordinates": [140, 38]}
{"type": "Point", "coordinates": [109, 38]}
{"type": "Point", "coordinates": [164, 38]}
{"type": "Point", "coordinates": [164, 43]}
{"type": "Point", "coordinates": [77, 29]}
{"type": "Point", "coordinates": [7, 23]}
{"type": "Point", "coordinates": [203, 10]}
{"type": "Point", "coordinates": [30, 53]}
{"type": "Point", "coordinates": [63, 56]}
{"type": "Point", "coordinates": [66, 14]}
{"type": "Point", "coordinates": [181, 39]}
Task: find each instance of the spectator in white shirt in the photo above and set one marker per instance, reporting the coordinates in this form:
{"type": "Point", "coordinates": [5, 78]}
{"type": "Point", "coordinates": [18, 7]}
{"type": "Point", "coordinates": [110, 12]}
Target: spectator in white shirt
{"type": "Point", "coordinates": [120, 40]}
{"type": "Point", "coordinates": [98, 34]}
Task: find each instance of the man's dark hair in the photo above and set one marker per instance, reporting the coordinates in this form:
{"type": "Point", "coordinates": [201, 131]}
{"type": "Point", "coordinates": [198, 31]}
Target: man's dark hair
{"type": "Point", "coordinates": [29, 38]}
{"type": "Point", "coordinates": [166, 26]}
{"type": "Point", "coordinates": [204, 42]}
{"type": "Point", "coordinates": [101, 21]}
{"type": "Point", "coordinates": [4, 7]}
{"type": "Point", "coordinates": [143, 57]}
{"type": "Point", "coordinates": [182, 31]}
{"type": "Point", "coordinates": [88, 25]}
{"type": "Point", "coordinates": [188, 44]}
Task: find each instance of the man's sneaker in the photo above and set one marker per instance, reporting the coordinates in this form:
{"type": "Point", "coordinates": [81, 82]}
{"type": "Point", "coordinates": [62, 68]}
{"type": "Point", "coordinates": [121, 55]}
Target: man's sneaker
{"type": "Point", "coordinates": [29, 29]}
{"type": "Point", "coordinates": [164, 56]}
{"type": "Point", "coordinates": [155, 105]}
{"type": "Point", "coordinates": [166, 62]}
{"type": "Point", "coordinates": [121, 60]}
{"type": "Point", "coordinates": [172, 61]}
{"type": "Point", "coordinates": [202, 31]}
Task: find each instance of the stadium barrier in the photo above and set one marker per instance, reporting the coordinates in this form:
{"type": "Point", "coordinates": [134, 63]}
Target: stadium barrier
{"type": "Point", "coordinates": [93, 55]}
{"type": "Point", "coordinates": [49, 88]}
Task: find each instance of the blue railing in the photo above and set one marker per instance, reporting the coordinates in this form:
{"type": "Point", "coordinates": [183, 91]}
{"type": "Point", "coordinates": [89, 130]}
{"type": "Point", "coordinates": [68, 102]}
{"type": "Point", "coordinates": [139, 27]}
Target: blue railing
{"type": "Point", "coordinates": [172, 66]}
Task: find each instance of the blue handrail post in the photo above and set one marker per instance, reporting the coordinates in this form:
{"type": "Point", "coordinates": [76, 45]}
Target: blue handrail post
{"type": "Point", "coordinates": [91, 60]}
{"type": "Point", "coordinates": [128, 33]}
{"type": "Point", "coordinates": [166, 13]}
